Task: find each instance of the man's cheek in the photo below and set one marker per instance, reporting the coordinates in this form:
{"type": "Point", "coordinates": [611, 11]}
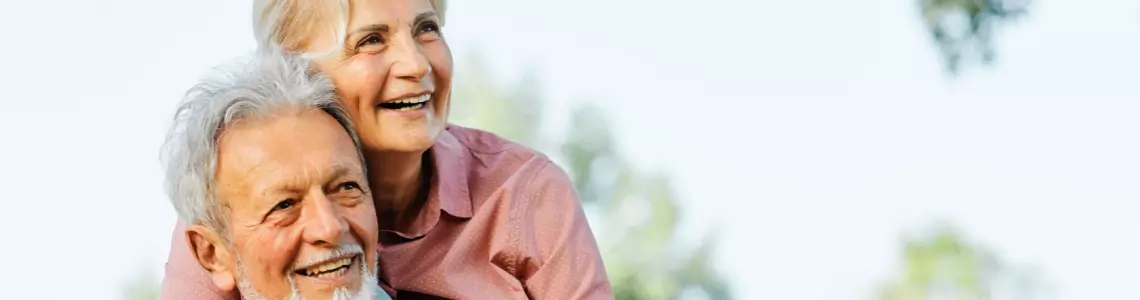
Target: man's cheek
{"type": "Point", "coordinates": [277, 251]}
{"type": "Point", "coordinates": [365, 218]}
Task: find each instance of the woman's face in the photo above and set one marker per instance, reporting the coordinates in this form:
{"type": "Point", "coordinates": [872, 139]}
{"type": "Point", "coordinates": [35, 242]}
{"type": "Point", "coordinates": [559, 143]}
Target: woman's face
{"type": "Point", "coordinates": [393, 73]}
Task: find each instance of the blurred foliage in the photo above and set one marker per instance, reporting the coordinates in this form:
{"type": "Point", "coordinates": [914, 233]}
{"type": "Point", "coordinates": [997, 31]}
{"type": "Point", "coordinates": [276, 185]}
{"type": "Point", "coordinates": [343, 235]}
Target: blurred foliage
{"type": "Point", "coordinates": [943, 265]}
{"type": "Point", "coordinates": [964, 29]}
{"type": "Point", "coordinates": [637, 213]}
{"type": "Point", "coordinates": [143, 287]}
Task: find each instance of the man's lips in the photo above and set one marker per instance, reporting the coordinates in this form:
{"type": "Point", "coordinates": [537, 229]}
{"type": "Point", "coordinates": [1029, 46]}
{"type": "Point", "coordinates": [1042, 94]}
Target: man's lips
{"type": "Point", "coordinates": [330, 268]}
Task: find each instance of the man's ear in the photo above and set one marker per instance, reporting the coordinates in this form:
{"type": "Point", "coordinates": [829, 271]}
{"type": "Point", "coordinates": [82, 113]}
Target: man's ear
{"type": "Point", "coordinates": [213, 254]}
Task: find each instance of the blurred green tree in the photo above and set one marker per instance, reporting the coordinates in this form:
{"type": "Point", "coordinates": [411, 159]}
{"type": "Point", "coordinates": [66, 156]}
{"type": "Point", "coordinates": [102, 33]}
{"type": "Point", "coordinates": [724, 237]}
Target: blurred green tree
{"type": "Point", "coordinates": [964, 29]}
{"type": "Point", "coordinates": [142, 287]}
{"type": "Point", "coordinates": [637, 213]}
{"type": "Point", "coordinates": [943, 265]}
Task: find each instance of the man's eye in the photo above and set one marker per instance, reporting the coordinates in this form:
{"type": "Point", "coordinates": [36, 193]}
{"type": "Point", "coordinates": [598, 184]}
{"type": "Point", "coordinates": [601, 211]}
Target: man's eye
{"type": "Point", "coordinates": [348, 186]}
{"type": "Point", "coordinates": [286, 204]}
{"type": "Point", "coordinates": [429, 27]}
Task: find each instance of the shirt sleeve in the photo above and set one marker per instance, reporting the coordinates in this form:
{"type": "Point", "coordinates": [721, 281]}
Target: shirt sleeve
{"type": "Point", "coordinates": [559, 258]}
{"type": "Point", "coordinates": [185, 279]}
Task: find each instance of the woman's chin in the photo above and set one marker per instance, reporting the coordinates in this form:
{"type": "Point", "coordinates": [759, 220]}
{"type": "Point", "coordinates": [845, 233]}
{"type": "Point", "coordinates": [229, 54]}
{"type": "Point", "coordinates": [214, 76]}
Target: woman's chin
{"type": "Point", "coordinates": [406, 142]}
{"type": "Point", "coordinates": [397, 135]}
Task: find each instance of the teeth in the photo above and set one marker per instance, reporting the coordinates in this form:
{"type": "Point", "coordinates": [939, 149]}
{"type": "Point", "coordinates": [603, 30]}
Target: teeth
{"type": "Point", "coordinates": [319, 271]}
{"type": "Point", "coordinates": [413, 107]}
{"type": "Point", "coordinates": [416, 99]}
{"type": "Point", "coordinates": [331, 274]}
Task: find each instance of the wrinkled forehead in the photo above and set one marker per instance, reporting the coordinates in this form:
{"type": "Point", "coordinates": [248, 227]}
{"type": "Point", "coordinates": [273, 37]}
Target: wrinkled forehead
{"type": "Point", "coordinates": [325, 23]}
{"type": "Point", "coordinates": [388, 11]}
{"type": "Point", "coordinates": [283, 152]}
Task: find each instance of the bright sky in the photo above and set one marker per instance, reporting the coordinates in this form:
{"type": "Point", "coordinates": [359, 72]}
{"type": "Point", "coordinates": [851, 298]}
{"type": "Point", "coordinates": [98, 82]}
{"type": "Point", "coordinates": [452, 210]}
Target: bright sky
{"type": "Point", "coordinates": [811, 138]}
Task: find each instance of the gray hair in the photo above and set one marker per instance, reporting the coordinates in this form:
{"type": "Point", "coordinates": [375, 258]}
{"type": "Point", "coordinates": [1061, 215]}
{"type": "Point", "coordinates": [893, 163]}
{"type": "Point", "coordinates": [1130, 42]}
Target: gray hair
{"type": "Point", "coordinates": [268, 82]}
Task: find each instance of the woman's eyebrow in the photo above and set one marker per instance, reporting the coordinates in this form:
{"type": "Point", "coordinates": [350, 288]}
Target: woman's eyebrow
{"type": "Point", "coordinates": [371, 28]}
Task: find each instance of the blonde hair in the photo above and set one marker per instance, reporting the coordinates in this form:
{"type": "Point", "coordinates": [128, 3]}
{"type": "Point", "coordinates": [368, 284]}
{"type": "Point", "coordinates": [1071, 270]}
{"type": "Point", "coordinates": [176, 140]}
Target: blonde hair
{"type": "Point", "coordinates": [290, 24]}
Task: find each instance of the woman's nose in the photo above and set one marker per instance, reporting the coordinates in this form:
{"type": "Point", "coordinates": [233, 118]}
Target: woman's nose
{"type": "Point", "coordinates": [409, 61]}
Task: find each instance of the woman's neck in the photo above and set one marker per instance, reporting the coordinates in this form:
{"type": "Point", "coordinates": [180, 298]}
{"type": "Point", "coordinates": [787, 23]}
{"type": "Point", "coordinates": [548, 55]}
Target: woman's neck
{"type": "Point", "coordinates": [397, 179]}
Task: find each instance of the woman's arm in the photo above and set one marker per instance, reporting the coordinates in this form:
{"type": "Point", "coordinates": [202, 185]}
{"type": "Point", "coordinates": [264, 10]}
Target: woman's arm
{"type": "Point", "coordinates": [559, 256]}
{"type": "Point", "coordinates": [186, 279]}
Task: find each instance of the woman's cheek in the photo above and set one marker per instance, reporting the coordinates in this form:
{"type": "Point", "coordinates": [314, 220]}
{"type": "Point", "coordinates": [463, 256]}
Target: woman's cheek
{"type": "Point", "coordinates": [441, 58]}
{"type": "Point", "coordinates": [361, 79]}
{"type": "Point", "coordinates": [372, 74]}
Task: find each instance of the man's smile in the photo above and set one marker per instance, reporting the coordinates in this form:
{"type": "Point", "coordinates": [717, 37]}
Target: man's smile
{"type": "Point", "coordinates": [329, 269]}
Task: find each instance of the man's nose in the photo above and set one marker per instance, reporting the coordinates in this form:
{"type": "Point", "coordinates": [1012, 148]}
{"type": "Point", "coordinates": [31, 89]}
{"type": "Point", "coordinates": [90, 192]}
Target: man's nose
{"type": "Point", "coordinates": [325, 224]}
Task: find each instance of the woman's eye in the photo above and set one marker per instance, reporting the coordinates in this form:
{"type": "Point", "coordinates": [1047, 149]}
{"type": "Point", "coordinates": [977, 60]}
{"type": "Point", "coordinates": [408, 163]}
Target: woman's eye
{"type": "Point", "coordinates": [286, 204]}
{"type": "Point", "coordinates": [370, 39]}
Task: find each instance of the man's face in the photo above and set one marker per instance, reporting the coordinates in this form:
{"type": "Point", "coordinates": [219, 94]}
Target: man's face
{"type": "Point", "coordinates": [301, 218]}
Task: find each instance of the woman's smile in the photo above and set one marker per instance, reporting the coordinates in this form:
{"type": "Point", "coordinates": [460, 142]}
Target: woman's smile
{"type": "Point", "coordinates": [406, 103]}
{"type": "Point", "coordinates": [407, 108]}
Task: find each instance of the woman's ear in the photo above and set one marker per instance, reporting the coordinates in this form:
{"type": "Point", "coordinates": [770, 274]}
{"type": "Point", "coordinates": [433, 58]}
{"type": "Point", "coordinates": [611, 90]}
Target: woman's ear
{"type": "Point", "coordinates": [214, 255]}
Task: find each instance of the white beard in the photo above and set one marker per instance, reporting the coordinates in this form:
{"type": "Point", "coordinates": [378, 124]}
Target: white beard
{"type": "Point", "coordinates": [369, 288]}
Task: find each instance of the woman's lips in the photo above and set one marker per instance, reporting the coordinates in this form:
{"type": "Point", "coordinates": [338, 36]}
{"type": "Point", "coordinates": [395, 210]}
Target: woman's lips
{"type": "Point", "coordinates": [407, 103]}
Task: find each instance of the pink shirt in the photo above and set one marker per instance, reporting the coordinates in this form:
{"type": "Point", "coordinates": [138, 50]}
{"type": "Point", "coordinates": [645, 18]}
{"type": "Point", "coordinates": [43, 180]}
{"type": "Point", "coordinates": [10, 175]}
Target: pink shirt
{"type": "Point", "coordinates": [501, 222]}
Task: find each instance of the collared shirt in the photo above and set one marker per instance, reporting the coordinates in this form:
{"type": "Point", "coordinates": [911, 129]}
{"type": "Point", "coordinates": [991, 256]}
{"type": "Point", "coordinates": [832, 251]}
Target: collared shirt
{"type": "Point", "coordinates": [501, 221]}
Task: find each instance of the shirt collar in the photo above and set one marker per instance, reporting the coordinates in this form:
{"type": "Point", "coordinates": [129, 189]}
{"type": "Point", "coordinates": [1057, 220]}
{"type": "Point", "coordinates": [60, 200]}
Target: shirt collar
{"type": "Point", "coordinates": [449, 186]}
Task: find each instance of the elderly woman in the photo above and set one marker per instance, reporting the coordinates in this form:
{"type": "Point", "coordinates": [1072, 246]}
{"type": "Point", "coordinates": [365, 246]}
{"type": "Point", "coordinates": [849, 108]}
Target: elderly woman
{"type": "Point", "coordinates": [463, 214]}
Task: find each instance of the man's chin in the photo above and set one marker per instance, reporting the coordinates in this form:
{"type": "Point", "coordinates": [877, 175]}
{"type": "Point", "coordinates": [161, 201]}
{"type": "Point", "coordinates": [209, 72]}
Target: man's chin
{"type": "Point", "coordinates": [365, 292]}
{"type": "Point", "coordinates": [366, 288]}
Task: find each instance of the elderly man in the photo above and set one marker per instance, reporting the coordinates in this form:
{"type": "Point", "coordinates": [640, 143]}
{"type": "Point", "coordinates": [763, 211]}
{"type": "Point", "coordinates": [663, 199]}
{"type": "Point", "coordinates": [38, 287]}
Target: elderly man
{"type": "Point", "coordinates": [266, 170]}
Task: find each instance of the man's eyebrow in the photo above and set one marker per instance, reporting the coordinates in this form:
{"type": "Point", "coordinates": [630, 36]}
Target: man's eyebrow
{"type": "Point", "coordinates": [339, 170]}
{"type": "Point", "coordinates": [298, 184]}
{"type": "Point", "coordinates": [424, 16]}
